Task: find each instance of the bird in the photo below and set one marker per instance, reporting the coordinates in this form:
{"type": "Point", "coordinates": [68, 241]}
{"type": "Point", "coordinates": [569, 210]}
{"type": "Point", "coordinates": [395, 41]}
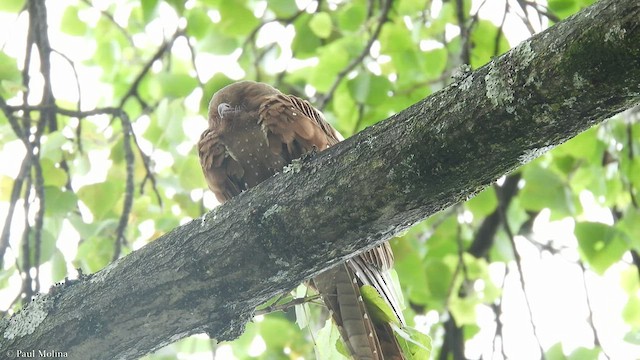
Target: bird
{"type": "Point", "coordinates": [253, 132]}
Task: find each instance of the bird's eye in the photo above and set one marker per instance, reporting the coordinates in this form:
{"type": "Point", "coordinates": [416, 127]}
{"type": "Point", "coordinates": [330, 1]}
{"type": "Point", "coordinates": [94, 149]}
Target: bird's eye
{"type": "Point", "coordinates": [222, 108]}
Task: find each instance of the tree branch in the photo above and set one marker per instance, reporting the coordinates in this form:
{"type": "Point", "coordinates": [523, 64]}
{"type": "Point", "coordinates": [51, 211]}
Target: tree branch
{"type": "Point", "coordinates": [210, 274]}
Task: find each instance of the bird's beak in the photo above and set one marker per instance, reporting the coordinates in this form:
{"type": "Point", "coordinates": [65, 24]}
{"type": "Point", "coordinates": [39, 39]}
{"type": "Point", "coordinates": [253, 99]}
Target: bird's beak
{"type": "Point", "coordinates": [222, 108]}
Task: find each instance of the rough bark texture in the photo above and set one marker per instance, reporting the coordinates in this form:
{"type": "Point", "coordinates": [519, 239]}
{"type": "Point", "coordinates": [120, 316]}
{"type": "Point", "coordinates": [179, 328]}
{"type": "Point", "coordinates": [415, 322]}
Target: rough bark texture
{"type": "Point", "coordinates": [209, 275]}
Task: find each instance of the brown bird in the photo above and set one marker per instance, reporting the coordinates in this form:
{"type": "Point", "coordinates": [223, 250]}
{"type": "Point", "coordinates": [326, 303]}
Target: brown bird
{"type": "Point", "coordinates": [254, 132]}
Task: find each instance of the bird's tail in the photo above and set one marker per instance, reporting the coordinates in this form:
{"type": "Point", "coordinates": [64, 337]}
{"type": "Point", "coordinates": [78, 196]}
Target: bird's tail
{"type": "Point", "coordinates": [365, 338]}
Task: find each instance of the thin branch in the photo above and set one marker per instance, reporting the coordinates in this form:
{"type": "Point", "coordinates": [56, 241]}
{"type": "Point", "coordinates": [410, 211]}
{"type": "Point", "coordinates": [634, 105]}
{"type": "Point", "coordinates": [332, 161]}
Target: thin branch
{"type": "Point", "coordinates": [114, 22]}
{"type": "Point", "coordinates": [497, 311]}
{"type": "Point", "coordinates": [79, 103]}
{"type": "Point", "coordinates": [27, 281]}
{"type": "Point", "coordinates": [164, 48]}
{"type": "Point", "coordinates": [287, 305]}
{"type": "Point", "coordinates": [355, 62]}
{"type": "Point", "coordinates": [518, 259]}
{"type": "Point", "coordinates": [596, 338]}
{"type": "Point", "coordinates": [13, 200]}
{"type": "Point", "coordinates": [129, 189]}
{"type": "Point", "coordinates": [465, 54]}
{"type": "Point", "coordinates": [499, 33]}
{"type": "Point", "coordinates": [524, 17]}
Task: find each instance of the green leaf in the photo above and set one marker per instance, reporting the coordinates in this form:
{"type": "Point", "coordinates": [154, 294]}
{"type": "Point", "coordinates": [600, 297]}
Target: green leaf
{"type": "Point", "coordinates": [326, 341]}
{"type": "Point", "coordinates": [198, 23]}
{"type": "Point", "coordinates": [6, 186]}
{"type": "Point", "coordinates": [8, 68]}
{"type": "Point", "coordinates": [94, 253]}
{"type": "Point", "coordinates": [302, 310]}
{"type": "Point", "coordinates": [236, 19]}
{"type": "Point", "coordinates": [12, 6]}
{"type": "Point", "coordinates": [563, 8]}
{"type": "Point", "coordinates": [332, 60]}
{"type": "Point", "coordinates": [101, 198]}
{"type": "Point", "coordinates": [47, 247]}
{"type": "Point", "coordinates": [411, 270]}
{"type": "Point", "coordinates": [584, 354]}
{"type": "Point", "coordinates": [629, 226]}
{"type": "Point", "coordinates": [178, 5]}
{"type": "Point", "coordinates": [5, 275]}
{"type": "Point", "coordinates": [352, 16]}
{"type": "Point", "coordinates": [167, 132]}
{"type": "Point", "coordinates": [59, 203]}
{"type": "Point", "coordinates": [438, 277]}
{"type": "Point", "coordinates": [600, 244]}
{"type": "Point", "coordinates": [321, 25]}
{"type": "Point", "coordinates": [9, 76]}
{"type": "Point", "coordinates": [305, 41]}
{"type": "Point", "coordinates": [177, 85]}
{"type": "Point", "coordinates": [414, 344]}
{"type": "Point", "coordinates": [58, 266]}
{"type": "Point", "coordinates": [633, 337]}
{"type": "Point", "coordinates": [52, 146]}
{"type": "Point", "coordinates": [71, 23]}
{"type": "Point", "coordinates": [278, 332]}
{"type": "Point", "coordinates": [483, 37]}
{"type": "Point", "coordinates": [53, 176]}
{"type": "Point", "coordinates": [484, 203]}
{"type": "Point", "coordinates": [463, 310]}
{"type": "Point", "coordinates": [377, 307]}
{"type": "Point", "coordinates": [395, 38]}
{"type": "Point", "coordinates": [359, 86]}
{"type": "Point", "coordinates": [631, 311]}
{"type": "Point", "coordinates": [283, 8]}
{"type": "Point", "coordinates": [584, 146]}
{"type": "Point", "coordinates": [545, 189]}
{"type": "Point", "coordinates": [436, 62]}
{"type": "Point", "coordinates": [555, 352]}
{"type": "Point", "coordinates": [149, 9]}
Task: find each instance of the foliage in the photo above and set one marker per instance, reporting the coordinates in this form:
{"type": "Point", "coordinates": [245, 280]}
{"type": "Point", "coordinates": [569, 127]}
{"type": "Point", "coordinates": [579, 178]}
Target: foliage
{"type": "Point", "coordinates": [97, 146]}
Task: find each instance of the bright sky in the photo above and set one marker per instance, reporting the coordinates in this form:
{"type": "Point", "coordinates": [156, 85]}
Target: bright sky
{"type": "Point", "coordinates": [554, 283]}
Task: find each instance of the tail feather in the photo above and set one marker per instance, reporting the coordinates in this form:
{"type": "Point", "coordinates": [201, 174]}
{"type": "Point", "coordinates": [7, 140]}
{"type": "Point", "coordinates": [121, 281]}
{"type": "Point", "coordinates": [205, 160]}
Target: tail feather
{"type": "Point", "coordinates": [365, 340]}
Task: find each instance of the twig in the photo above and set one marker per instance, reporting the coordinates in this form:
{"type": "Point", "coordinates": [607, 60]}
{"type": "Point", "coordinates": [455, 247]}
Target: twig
{"type": "Point", "coordinates": [27, 286]}
{"type": "Point", "coordinates": [497, 311]}
{"type": "Point", "coordinates": [596, 338]}
{"type": "Point", "coordinates": [465, 54]}
{"type": "Point", "coordinates": [78, 104]}
{"type": "Point", "coordinates": [344, 72]}
{"type": "Point", "coordinates": [287, 305]}
{"type": "Point", "coordinates": [524, 17]}
{"type": "Point", "coordinates": [496, 45]}
{"type": "Point", "coordinates": [518, 259]}
{"type": "Point", "coordinates": [165, 47]}
{"type": "Point", "coordinates": [630, 154]}
{"type": "Point", "coordinates": [129, 189]}
{"type": "Point", "coordinates": [114, 22]}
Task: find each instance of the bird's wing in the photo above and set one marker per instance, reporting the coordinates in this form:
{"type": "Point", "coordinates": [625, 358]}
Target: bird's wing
{"type": "Point", "coordinates": [294, 127]}
{"type": "Point", "coordinates": [222, 172]}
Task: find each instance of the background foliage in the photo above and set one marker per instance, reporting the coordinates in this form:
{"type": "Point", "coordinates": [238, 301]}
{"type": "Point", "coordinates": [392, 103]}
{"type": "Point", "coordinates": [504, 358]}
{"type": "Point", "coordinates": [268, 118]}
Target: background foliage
{"type": "Point", "coordinates": [100, 114]}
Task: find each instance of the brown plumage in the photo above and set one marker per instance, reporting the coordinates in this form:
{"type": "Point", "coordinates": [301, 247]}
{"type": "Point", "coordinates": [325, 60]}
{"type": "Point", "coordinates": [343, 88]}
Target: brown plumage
{"type": "Point", "coordinates": [254, 131]}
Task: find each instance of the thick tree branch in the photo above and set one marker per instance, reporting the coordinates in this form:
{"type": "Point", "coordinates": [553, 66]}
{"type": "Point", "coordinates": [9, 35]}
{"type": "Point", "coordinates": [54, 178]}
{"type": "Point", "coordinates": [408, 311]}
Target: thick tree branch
{"type": "Point", "coordinates": [209, 275]}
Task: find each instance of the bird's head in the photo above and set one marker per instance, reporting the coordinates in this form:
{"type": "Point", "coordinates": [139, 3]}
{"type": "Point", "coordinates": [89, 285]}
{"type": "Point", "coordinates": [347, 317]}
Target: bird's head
{"type": "Point", "coordinates": [243, 97]}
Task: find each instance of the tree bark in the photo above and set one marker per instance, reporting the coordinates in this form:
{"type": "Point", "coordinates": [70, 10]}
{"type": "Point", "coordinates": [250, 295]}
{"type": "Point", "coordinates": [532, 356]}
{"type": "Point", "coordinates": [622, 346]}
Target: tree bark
{"type": "Point", "coordinates": [209, 275]}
